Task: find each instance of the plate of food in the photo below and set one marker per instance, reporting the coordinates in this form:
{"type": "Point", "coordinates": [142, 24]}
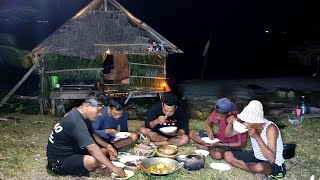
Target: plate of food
{"type": "Point", "coordinates": [210, 141]}
{"type": "Point", "coordinates": [202, 152]}
{"type": "Point", "coordinates": [239, 127]}
{"type": "Point", "coordinates": [168, 129]}
{"type": "Point", "coordinates": [122, 135]}
{"type": "Point", "coordinates": [220, 166]}
{"type": "Point", "coordinates": [128, 174]}
{"type": "Point", "coordinates": [118, 164]}
{"type": "Point", "coordinates": [130, 161]}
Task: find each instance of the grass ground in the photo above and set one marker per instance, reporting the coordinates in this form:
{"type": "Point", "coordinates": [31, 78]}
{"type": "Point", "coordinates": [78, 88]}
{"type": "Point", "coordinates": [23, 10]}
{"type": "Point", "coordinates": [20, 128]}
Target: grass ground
{"type": "Point", "coordinates": [24, 139]}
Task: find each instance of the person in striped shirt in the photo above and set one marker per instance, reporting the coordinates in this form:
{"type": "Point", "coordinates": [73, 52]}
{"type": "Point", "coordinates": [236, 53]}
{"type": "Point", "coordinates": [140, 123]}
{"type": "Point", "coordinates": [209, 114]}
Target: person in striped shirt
{"type": "Point", "coordinates": [266, 160]}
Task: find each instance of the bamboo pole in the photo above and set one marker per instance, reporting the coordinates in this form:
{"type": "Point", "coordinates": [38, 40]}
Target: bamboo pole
{"type": "Point", "coordinates": [205, 57]}
{"type": "Point", "coordinates": [149, 77]}
{"type": "Point", "coordinates": [67, 70]}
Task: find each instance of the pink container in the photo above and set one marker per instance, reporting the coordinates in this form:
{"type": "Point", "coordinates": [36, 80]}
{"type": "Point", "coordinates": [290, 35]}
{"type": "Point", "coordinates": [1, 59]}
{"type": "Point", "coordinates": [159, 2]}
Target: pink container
{"type": "Point", "coordinates": [298, 112]}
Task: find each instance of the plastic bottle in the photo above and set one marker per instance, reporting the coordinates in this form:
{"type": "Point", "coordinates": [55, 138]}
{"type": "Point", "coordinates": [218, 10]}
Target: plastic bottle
{"type": "Point", "coordinates": [304, 106]}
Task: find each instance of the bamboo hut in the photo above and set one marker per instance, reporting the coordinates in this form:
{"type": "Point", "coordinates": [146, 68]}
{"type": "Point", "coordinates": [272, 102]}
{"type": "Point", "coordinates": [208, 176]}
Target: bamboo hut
{"type": "Point", "coordinates": [103, 47]}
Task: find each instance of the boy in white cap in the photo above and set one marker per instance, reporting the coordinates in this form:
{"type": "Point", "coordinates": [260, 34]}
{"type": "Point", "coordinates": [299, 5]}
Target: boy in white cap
{"type": "Point", "coordinates": [224, 109]}
{"type": "Point", "coordinates": [266, 158]}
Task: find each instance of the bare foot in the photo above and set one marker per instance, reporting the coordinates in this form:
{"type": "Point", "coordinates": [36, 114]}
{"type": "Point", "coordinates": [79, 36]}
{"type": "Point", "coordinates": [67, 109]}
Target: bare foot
{"type": "Point", "coordinates": [105, 171]}
{"type": "Point", "coordinates": [161, 143]}
{"type": "Point", "coordinates": [200, 146]}
{"type": "Point", "coordinates": [261, 177]}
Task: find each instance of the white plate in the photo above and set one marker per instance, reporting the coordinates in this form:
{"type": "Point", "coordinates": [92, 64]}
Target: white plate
{"type": "Point", "coordinates": [128, 173]}
{"type": "Point", "coordinates": [202, 152]}
{"type": "Point", "coordinates": [118, 164]}
{"type": "Point", "coordinates": [220, 166]}
{"type": "Point", "coordinates": [131, 158]}
{"type": "Point", "coordinates": [122, 135]}
{"type": "Point", "coordinates": [239, 127]}
{"type": "Point", "coordinates": [209, 141]}
{"type": "Point", "coordinates": [168, 129]}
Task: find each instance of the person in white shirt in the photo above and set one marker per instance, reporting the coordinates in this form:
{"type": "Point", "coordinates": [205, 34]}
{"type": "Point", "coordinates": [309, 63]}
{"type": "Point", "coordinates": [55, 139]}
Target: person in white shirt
{"type": "Point", "coordinates": [266, 159]}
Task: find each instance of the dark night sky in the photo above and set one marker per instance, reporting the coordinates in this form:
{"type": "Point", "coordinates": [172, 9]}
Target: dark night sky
{"type": "Point", "coordinates": [239, 47]}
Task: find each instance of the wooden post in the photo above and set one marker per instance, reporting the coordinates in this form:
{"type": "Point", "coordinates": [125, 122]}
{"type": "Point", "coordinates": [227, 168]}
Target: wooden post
{"type": "Point", "coordinates": [53, 106]}
{"type": "Point", "coordinates": [41, 100]}
{"type": "Point", "coordinates": [105, 5]}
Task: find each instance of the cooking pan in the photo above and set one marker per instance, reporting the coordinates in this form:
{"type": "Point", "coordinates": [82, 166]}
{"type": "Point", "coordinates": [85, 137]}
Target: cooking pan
{"type": "Point", "coordinates": [155, 160]}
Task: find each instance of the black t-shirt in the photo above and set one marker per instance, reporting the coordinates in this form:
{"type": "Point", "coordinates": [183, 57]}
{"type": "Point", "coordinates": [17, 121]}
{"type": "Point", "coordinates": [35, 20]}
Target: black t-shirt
{"type": "Point", "coordinates": [70, 136]}
{"type": "Point", "coordinates": [178, 119]}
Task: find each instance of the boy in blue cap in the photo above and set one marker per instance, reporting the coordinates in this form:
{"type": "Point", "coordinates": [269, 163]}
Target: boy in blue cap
{"type": "Point", "coordinates": [224, 109]}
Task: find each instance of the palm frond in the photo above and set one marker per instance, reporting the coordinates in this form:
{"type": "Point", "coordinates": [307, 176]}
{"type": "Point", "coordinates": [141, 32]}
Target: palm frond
{"type": "Point", "coordinates": [7, 40]}
{"type": "Point", "coordinates": [14, 57]}
{"type": "Point", "coordinates": [57, 62]}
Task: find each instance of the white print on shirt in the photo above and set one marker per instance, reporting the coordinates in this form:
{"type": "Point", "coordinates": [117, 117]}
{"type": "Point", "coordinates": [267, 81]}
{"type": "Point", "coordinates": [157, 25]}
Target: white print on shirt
{"type": "Point", "coordinates": [56, 129]}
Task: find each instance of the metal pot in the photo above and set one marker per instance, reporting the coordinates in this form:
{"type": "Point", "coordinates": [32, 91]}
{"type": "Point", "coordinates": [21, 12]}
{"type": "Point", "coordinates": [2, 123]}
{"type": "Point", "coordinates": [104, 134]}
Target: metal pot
{"type": "Point", "coordinates": [193, 162]}
{"type": "Point", "coordinates": [289, 151]}
{"type": "Point", "coordinates": [155, 160]}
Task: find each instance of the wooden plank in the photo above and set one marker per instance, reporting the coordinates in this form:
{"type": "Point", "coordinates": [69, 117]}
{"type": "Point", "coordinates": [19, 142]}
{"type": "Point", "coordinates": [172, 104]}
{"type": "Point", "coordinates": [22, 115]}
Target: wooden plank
{"type": "Point", "coordinates": [67, 70]}
{"type": "Point", "coordinates": [112, 45]}
{"type": "Point", "coordinates": [3, 119]}
{"type": "Point", "coordinates": [162, 66]}
{"type": "Point", "coordinates": [69, 94]}
{"type": "Point", "coordinates": [5, 99]}
{"type": "Point", "coordinates": [149, 77]}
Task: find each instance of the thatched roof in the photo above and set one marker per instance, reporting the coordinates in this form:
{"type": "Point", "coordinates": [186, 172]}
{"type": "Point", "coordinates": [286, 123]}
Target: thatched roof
{"type": "Point", "coordinates": [97, 28]}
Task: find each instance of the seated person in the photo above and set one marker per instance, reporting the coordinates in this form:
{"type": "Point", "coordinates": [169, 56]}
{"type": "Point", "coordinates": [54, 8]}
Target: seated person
{"type": "Point", "coordinates": [224, 109]}
{"type": "Point", "coordinates": [72, 148]}
{"type": "Point", "coordinates": [107, 124]}
{"type": "Point", "coordinates": [163, 114]}
{"type": "Point", "coordinates": [266, 159]}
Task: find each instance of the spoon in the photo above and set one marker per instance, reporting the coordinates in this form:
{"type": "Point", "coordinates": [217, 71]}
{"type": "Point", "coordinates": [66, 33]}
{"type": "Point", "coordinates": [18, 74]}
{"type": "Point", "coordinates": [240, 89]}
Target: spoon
{"type": "Point", "coordinates": [142, 167]}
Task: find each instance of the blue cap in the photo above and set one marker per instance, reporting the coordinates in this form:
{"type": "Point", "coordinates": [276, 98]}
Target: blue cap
{"type": "Point", "coordinates": [224, 105]}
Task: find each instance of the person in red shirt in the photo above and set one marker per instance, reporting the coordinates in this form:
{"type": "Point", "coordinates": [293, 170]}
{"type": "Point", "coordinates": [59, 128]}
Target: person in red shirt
{"type": "Point", "coordinates": [224, 109]}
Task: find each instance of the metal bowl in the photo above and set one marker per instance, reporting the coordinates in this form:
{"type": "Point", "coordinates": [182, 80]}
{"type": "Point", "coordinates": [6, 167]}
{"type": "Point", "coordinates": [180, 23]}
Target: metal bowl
{"type": "Point", "coordinates": [155, 160]}
{"type": "Point", "coordinates": [168, 151]}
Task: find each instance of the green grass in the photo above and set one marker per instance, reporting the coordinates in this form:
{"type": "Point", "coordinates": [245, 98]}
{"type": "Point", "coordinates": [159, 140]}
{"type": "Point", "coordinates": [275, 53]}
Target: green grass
{"type": "Point", "coordinates": [24, 139]}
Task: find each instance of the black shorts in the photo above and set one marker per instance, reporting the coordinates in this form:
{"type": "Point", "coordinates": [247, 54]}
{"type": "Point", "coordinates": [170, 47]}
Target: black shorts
{"type": "Point", "coordinates": [248, 156]}
{"type": "Point", "coordinates": [69, 166]}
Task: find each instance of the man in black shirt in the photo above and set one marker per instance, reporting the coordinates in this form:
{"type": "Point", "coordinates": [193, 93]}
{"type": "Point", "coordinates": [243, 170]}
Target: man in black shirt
{"type": "Point", "coordinates": [73, 147]}
{"type": "Point", "coordinates": [163, 114]}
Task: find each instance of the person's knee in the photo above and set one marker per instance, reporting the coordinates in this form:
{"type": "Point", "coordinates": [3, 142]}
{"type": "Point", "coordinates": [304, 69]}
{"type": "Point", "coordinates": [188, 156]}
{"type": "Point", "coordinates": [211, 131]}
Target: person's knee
{"type": "Point", "coordinates": [228, 156]}
{"type": "Point", "coordinates": [90, 163]}
{"type": "Point", "coordinates": [257, 167]}
{"type": "Point", "coordinates": [216, 155]}
{"type": "Point", "coordinates": [184, 140]}
{"type": "Point", "coordinates": [134, 137]}
{"type": "Point", "coordinates": [193, 134]}
{"type": "Point", "coordinates": [144, 131]}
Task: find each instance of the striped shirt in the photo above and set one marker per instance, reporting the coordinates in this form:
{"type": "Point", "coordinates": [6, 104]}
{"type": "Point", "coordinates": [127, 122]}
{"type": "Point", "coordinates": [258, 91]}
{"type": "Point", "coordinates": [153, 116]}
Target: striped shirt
{"type": "Point", "coordinates": [279, 149]}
